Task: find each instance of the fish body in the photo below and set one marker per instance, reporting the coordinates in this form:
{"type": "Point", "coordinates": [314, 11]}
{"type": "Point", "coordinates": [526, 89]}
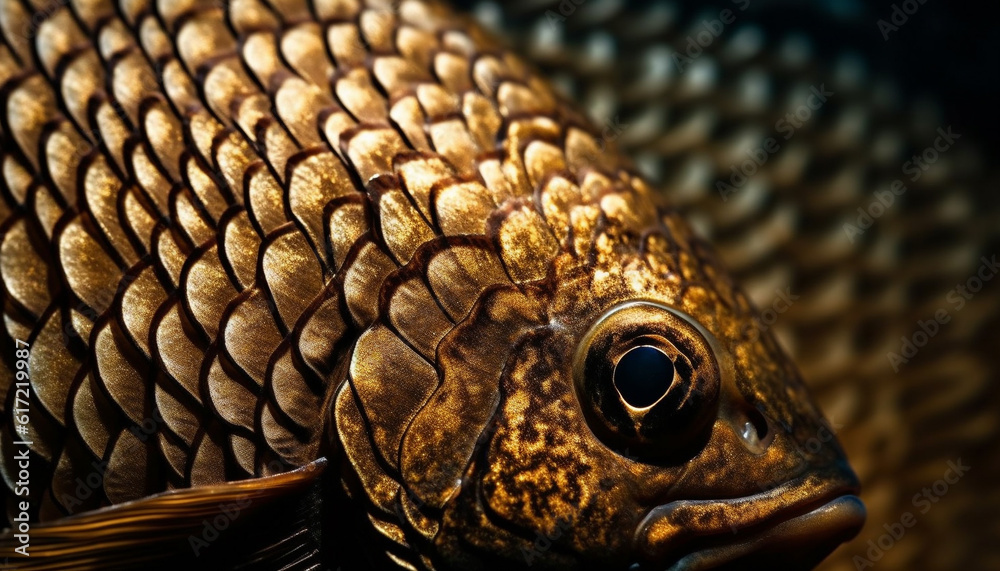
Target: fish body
{"type": "Point", "coordinates": [239, 239]}
{"type": "Point", "coordinates": [788, 231]}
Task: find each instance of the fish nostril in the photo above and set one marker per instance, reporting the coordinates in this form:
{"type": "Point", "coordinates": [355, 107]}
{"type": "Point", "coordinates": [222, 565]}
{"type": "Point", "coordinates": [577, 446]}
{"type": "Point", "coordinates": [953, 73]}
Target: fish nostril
{"type": "Point", "coordinates": [754, 430]}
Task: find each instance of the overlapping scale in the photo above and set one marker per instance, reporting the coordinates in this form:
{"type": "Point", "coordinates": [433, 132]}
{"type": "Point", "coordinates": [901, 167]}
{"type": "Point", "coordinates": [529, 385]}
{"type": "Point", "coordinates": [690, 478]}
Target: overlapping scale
{"type": "Point", "coordinates": [689, 126]}
{"type": "Point", "coordinates": [281, 206]}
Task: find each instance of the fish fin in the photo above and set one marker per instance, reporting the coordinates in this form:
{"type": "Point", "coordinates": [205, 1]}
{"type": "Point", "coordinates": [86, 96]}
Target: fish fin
{"type": "Point", "coordinates": [265, 523]}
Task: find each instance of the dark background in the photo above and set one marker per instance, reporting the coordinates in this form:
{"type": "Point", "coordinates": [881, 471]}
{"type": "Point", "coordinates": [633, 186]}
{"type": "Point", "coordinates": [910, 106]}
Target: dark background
{"type": "Point", "coordinates": [949, 51]}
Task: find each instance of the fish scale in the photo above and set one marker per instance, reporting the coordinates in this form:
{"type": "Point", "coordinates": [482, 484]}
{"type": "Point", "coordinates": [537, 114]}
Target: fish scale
{"type": "Point", "coordinates": [240, 237]}
{"type": "Point", "coordinates": [785, 227]}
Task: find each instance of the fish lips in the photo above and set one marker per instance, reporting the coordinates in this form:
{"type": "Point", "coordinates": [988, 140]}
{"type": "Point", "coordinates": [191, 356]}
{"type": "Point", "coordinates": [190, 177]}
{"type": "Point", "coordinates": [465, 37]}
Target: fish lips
{"type": "Point", "coordinates": [793, 526]}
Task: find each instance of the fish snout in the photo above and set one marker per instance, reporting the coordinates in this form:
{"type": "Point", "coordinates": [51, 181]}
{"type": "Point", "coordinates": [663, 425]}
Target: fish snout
{"type": "Point", "coordinates": [793, 526]}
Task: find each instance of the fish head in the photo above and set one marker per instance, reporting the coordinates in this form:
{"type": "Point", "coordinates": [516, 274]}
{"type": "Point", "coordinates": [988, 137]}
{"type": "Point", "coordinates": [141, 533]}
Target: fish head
{"type": "Point", "coordinates": [598, 397]}
{"type": "Point", "coordinates": [644, 420]}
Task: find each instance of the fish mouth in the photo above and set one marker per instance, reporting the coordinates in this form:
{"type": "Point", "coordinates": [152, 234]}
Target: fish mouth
{"type": "Point", "coordinates": [794, 526]}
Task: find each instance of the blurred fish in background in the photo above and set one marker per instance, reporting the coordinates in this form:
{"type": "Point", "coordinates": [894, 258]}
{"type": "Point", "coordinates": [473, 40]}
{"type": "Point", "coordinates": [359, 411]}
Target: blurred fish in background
{"type": "Point", "coordinates": [841, 157]}
{"type": "Point", "coordinates": [838, 155]}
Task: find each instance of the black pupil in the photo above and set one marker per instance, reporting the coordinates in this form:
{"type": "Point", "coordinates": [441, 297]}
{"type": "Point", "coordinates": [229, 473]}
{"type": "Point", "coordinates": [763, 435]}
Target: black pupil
{"type": "Point", "coordinates": [643, 375]}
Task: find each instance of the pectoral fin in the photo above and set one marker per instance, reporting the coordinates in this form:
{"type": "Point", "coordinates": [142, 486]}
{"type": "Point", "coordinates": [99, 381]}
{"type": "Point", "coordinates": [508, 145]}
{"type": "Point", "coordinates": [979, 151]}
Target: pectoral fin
{"type": "Point", "coordinates": [265, 523]}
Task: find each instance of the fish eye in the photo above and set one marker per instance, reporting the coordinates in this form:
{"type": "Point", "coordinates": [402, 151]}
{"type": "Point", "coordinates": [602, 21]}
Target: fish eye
{"type": "Point", "coordinates": [647, 378]}
{"type": "Point", "coordinates": [643, 375]}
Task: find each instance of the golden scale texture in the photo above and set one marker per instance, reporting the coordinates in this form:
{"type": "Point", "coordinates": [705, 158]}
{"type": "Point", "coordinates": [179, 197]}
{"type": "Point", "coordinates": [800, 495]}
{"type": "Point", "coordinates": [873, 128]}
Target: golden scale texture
{"type": "Point", "coordinates": [202, 206]}
{"type": "Point", "coordinates": [784, 229]}
{"type": "Point", "coordinates": [212, 215]}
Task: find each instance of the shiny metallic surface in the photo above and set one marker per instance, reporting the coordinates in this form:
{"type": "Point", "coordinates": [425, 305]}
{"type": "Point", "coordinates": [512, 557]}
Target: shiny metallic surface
{"type": "Point", "coordinates": [839, 306]}
{"type": "Point", "coordinates": [243, 237]}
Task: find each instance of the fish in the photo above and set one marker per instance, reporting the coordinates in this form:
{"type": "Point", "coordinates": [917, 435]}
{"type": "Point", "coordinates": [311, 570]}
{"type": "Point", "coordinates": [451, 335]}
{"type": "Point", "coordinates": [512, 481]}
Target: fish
{"type": "Point", "coordinates": [854, 300]}
{"type": "Point", "coordinates": [342, 284]}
